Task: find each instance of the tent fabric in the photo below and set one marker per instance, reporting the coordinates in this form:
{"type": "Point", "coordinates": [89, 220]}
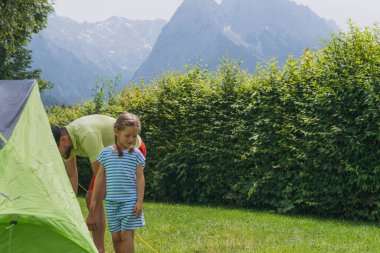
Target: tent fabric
{"type": "Point", "coordinates": [11, 103]}
{"type": "Point", "coordinates": [39, 211]}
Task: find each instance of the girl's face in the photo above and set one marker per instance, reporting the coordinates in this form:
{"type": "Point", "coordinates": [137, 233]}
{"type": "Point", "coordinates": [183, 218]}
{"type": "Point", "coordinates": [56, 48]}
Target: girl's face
{"type": "Point", "coordinates": [127, 136]}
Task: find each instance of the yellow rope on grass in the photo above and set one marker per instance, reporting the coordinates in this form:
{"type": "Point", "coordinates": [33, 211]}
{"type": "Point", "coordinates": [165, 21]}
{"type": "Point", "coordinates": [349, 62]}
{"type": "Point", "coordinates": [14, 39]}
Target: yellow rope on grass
{"type": "Point", "coordinates": [147, 244]}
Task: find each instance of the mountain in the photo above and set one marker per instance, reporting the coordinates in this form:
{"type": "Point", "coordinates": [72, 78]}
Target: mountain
{"type": "Point", "coordinates": [251, 30]}
{"type": "Point", "coordinates": [192, 35]}
{"type": "Point", "coordinates": [73, 78]}
{"type": "Point", "coordinates": [74, 55]}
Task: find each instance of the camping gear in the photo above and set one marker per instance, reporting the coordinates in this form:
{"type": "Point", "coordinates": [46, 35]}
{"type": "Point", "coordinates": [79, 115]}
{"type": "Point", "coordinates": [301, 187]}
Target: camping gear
{"type": "Point", "coordinates": [39, 211]}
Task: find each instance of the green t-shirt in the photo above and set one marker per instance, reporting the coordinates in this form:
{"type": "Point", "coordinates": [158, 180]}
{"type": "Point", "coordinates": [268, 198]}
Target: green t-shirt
{"type": "Point", "coordinates": [90, 134]}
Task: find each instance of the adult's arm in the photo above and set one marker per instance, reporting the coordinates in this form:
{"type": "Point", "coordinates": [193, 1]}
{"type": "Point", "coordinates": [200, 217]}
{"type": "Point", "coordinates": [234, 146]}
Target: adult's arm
{"type": "Point", "coordinates": [72, 172]}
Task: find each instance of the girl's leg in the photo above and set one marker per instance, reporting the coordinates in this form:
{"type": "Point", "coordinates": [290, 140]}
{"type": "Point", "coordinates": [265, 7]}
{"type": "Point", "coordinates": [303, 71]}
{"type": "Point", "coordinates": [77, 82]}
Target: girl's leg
{"type": "Point", "coordinates": [129, 237]}
{"type": "Point", "coordinates": [119, 244]}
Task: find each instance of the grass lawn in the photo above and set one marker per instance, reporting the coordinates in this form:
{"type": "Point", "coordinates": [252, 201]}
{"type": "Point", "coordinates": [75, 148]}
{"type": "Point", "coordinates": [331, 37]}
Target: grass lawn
{"type": "Point", "coordinates": [183, 228]}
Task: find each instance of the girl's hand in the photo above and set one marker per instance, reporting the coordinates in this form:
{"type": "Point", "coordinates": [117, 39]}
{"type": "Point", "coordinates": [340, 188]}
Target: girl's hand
{"type": "Point", "coordinates": [91, 222]}
{"type": "Point", "coordinates": [138, 209]}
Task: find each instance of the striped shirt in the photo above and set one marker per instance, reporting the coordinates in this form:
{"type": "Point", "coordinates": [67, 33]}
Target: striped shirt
{"type": "Point", "coordinates": [121, 173]}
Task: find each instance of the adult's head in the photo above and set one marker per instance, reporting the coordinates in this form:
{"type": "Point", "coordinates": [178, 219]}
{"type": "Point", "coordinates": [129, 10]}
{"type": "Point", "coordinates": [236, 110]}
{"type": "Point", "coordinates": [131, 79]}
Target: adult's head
{"type": "Point", "coordinates": [63, 141]}
{"type": "Point", "coordinates": [126, 129]}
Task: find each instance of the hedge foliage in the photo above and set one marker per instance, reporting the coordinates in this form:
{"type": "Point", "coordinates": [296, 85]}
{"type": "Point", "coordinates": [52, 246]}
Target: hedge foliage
{"type": "Point", "coordinates": [304, 138]}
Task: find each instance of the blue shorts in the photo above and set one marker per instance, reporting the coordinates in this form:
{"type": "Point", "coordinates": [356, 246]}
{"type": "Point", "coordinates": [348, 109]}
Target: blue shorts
{"type": "Point", "coordinates": [120, 216]}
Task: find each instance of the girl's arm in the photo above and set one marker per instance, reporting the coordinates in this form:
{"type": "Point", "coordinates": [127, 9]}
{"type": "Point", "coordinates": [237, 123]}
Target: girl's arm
{"type": "Point", "coordinates": [98, 188]}
{"type": "Point", "coordinates": [140, 180]}
{"type": "Point", "coordinates": [96, 192]}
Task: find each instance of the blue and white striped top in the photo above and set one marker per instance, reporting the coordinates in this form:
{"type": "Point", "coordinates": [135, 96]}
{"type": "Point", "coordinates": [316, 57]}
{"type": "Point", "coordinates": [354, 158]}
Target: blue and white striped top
{"type": "Point", "coordinates": [121, 173]}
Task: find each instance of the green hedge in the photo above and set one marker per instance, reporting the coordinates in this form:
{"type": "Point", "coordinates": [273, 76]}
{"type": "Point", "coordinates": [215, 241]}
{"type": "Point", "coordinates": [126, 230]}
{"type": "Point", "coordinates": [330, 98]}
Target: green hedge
{"type": "Point", "coordinates": [300, 139]}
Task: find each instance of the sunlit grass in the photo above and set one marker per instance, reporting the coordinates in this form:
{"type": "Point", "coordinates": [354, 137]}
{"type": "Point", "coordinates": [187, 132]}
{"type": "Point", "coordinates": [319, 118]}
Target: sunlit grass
{"type": "Point", "coordinates": [183, 228]}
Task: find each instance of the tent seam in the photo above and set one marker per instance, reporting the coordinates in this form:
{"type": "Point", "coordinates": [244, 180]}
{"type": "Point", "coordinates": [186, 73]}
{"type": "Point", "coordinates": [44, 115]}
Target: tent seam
{"type": "Point", "coordinates": [3, 138]}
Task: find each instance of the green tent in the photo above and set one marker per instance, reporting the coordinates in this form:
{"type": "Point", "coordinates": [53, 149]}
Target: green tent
{"type": "Point", "coordinates": [38, 208]}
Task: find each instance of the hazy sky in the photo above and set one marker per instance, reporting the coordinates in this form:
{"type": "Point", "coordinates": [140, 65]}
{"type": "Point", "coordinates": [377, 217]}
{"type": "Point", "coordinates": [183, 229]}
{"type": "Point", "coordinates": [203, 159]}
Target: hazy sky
{"type": "Point", "coordinates": [362, 12]}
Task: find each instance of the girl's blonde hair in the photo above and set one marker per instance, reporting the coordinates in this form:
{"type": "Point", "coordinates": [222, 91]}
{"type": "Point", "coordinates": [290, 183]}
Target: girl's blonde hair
{"type": "Point", "coordinates": [126, 120]}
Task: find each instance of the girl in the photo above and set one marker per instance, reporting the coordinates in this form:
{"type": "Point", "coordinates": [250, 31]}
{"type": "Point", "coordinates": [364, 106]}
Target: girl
{"type": "Point", "coordinates": [121, 170]}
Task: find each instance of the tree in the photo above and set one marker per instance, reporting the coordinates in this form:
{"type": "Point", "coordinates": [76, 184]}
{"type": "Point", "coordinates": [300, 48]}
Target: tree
{"type": "Point", "coordinates": [19, 19]}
